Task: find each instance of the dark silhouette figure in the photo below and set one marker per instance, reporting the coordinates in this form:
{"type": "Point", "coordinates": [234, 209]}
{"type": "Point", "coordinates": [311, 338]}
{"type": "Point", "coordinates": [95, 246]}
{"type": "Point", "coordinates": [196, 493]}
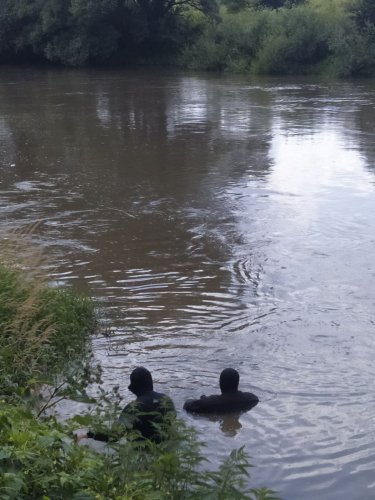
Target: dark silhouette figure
{"type": "Point", "coordinates": [230, 399]}
{"type": "Point", "coordinates": [150, 414]}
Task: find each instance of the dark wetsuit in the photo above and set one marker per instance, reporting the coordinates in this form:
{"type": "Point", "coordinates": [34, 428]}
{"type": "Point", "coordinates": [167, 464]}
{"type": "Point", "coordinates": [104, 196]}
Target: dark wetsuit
{"type": "Point", "coordinates": [223, 403]}
{"type": "Point", "coordinates": [140, 415]}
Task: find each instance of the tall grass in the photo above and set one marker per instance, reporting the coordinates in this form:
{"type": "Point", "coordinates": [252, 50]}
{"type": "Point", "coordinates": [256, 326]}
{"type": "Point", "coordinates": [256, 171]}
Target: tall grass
{"type": "Point", "coordinates": [43, 330]}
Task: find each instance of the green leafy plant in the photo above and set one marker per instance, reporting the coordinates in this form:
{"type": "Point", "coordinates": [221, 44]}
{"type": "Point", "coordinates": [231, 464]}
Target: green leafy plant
{"type": "Point", "coordinates": [39, 459]}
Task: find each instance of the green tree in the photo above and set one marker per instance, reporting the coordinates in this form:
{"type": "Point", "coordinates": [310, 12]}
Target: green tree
{"type": "Point", "coordinates": [276, 4]}
{"type": "Point", "coordinates": [75, 32]}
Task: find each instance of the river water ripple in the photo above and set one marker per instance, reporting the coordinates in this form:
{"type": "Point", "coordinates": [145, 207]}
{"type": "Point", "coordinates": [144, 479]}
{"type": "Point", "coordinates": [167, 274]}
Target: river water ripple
{"type": "Point", "coordinates": [217, 222]}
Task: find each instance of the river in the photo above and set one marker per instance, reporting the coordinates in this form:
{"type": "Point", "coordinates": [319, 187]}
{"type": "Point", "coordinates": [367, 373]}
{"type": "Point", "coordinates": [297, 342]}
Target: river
{"type": "Point", "coordinates": [217, 221]}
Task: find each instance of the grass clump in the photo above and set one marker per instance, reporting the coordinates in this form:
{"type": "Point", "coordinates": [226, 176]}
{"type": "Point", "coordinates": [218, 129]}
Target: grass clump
{"type": "Point", "coordinates": [44, 331]}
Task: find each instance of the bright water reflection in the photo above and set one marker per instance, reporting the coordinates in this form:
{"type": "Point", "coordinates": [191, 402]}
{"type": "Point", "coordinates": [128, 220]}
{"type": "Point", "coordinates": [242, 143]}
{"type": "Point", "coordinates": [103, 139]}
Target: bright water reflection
{"type": "Point", "coordinates": [219, 222]}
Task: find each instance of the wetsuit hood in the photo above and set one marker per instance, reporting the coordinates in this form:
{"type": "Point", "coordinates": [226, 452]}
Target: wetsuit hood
{"type": "Point", "coordinates": [140, 381]}
{"type": "Point", "coordinates": [229, 380]}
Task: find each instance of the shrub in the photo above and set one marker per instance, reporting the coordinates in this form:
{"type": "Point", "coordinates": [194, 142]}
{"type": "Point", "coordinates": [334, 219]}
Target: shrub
{"type": "Point", "coordinates": [229, 44]}
{"type": "Point", "coordinates": [295, 42]}
{"type": "Point", "coordinates": [352, 50]}
{"type": "Point", "coordinates": [282, 41]}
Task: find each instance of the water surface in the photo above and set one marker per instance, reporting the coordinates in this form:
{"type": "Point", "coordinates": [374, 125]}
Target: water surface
{"type": "Point", "coordinates": [218, 222]}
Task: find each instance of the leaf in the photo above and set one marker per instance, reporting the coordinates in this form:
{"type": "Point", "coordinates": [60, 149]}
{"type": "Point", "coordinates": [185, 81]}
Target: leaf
{"type": "Point", "coordinates": [79, 398]}
{"type": "Point", "coordinates": [84, 420]}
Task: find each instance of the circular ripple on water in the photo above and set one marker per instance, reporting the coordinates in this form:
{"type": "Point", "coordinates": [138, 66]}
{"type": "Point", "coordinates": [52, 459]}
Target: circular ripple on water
{"type": "Point", "coordinates": [247, 271]}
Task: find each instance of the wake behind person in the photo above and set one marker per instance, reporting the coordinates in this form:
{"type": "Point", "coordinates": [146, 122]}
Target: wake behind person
{"type": "Point", "coordinates": [230, 399]}
{"type": "Point", "coordinates": [149, 415]}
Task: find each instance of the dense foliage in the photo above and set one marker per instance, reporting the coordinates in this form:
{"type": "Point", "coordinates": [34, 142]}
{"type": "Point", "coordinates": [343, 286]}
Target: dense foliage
{"type": "Point", "coordinates": [329, 37]}
{"type": "Point", "coordinates": [335, 37]}
{"type": "Point", "coordinates": [74, 32]}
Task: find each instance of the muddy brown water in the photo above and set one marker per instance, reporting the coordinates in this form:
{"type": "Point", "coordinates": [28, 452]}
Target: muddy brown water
{"type": "Point", "coordinates": [217, 222]}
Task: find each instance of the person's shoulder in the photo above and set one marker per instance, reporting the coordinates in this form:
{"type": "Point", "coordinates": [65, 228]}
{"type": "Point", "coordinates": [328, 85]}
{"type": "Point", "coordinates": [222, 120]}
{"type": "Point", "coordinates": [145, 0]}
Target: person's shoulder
{"type": "Point", "coordinates": [248, 396]}
{"type": "Point", "coordinates": [247, 400]}
{"type": "Point", "coordinates": [160, 396]}
{"type": "Point", "coordinates": [161, 400]}
{"type": "Point", "coordinates": [129, 410]}
{"type": "Point", "coordinates": [166, 400]}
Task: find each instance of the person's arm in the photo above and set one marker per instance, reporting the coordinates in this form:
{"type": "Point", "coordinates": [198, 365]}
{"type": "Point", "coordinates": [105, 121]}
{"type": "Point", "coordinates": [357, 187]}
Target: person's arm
{"type": "Point", "coordinates": [128, 415]}
{"type": "Point", "coordinates": [112, 435]}
{"type": "Point", "coordinates": [99, 436]}
{"type": "Point", "coordinates": [196, 405]}
{"type": "Point", "coordinates": [251, 400]}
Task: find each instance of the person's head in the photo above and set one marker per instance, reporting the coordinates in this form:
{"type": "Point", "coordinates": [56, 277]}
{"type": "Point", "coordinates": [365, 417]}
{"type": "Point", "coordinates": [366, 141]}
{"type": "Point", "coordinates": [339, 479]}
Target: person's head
{"type": "Point", "coordinates": [140, 381]}
{"type": "Point", "coordinates": [229, 380]}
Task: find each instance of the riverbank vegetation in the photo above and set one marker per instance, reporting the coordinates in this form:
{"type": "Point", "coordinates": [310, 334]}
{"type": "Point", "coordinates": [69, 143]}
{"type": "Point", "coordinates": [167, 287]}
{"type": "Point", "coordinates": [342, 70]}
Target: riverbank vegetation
{"type": "Point", "coordinates": [45, 357]}
{"type": "Point", "coordinates": [44, 330]}
{"type": "Point", "coordinates": [329, 37]}
{"type": "Point", "coordinates": [39, 460]}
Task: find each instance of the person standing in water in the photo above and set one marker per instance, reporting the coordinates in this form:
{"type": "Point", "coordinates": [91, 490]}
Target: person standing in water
{"type": "Point", "coordinates": [149, 415]}
{"type": "Point", "coordinates": [230, 399]}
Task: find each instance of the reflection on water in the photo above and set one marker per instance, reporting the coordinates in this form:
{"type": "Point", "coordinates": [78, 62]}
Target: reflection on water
{"type": "Point", "coordinates": [229, 423]}
{"type": "Point", "coordinates": [218, 222]}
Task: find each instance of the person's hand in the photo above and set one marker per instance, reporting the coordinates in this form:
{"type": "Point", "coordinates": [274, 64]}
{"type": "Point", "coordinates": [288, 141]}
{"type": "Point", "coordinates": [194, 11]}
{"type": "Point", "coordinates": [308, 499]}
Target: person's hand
{"type": "Point", "coordinates": [80, 435]}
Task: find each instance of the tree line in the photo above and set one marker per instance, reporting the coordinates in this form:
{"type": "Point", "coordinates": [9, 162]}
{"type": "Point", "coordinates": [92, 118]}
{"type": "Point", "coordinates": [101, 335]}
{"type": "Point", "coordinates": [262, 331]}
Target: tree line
{"type": "Point", "coordinates": [335, 37]}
